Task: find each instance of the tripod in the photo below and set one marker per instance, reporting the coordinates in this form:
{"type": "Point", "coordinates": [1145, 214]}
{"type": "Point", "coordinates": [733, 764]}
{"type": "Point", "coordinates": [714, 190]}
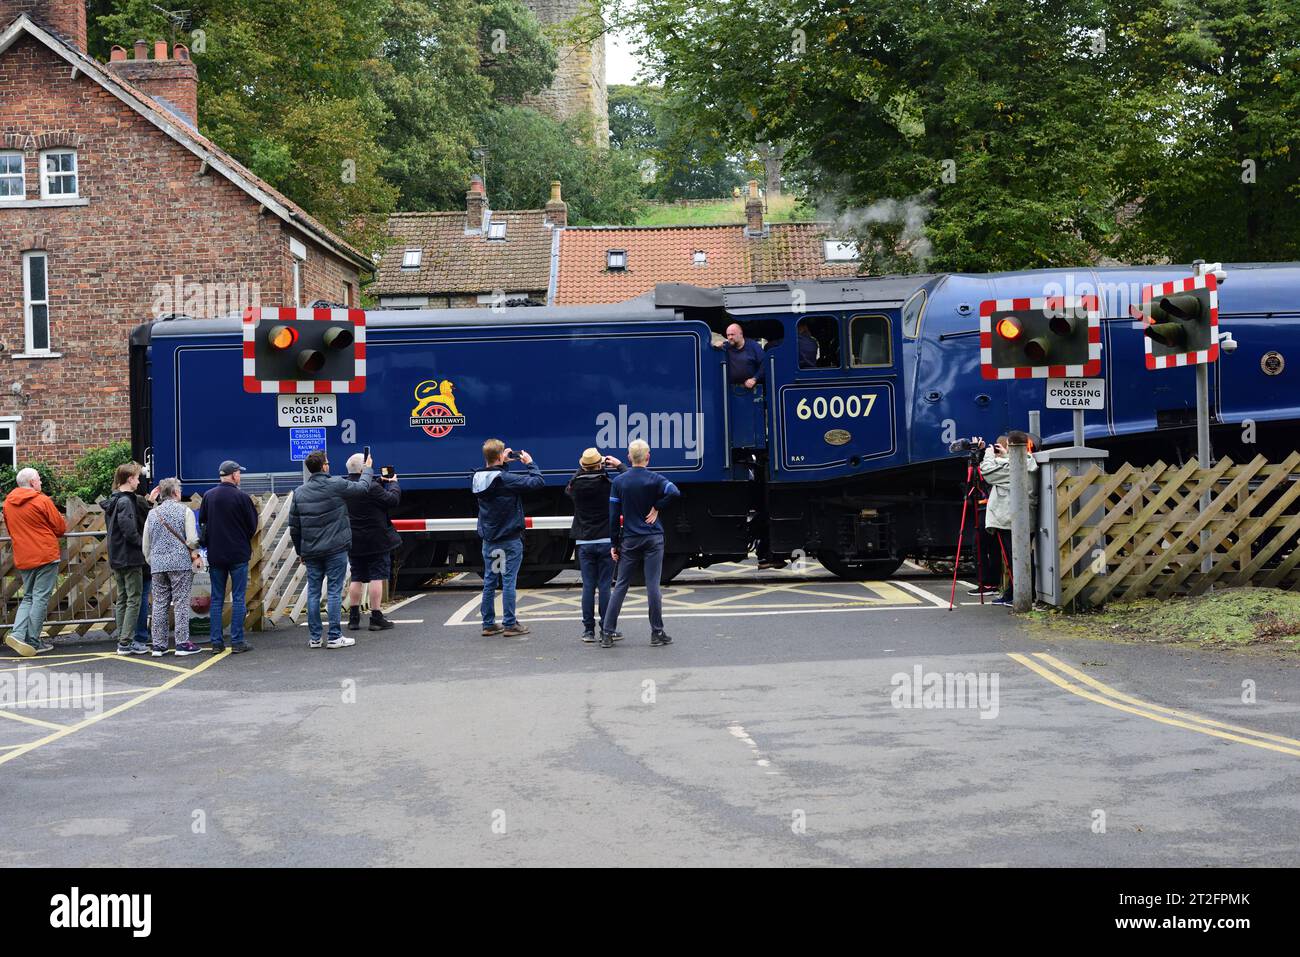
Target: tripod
{"type": "Point", "coordinates": [973, 479]}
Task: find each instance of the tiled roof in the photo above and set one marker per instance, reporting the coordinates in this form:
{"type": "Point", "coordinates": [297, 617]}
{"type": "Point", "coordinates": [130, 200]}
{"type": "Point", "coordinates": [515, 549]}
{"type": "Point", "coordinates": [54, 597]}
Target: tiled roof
{"type": "Point", "coordinates": [452, 262]}
{"type": "Point", "coordinates": [657, 254]}
{"type": "Point", "coordinates": [165, 118]}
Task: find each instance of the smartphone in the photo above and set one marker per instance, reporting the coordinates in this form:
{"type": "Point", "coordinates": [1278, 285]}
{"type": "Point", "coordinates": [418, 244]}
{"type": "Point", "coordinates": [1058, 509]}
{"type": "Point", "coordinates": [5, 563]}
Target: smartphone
{"type": "Point", "coordinates": [365, 452]}
{"type": "Point", "coordinates": [386, 471]}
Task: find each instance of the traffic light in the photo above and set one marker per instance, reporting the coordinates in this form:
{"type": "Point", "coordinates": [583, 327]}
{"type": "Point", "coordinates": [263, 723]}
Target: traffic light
{"type": "Point", "coordinates": [304, 350]}
{"type": "Point", "coordinates": [1042, 337]}
{"type": "Point", "coordinates": [1181, 320]}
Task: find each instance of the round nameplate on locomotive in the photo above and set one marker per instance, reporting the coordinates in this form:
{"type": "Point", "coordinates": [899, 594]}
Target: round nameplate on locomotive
{"type": "Point", "coordinates": [1272, 363]}
{"type": "Point", "coordinates": [838, 437]}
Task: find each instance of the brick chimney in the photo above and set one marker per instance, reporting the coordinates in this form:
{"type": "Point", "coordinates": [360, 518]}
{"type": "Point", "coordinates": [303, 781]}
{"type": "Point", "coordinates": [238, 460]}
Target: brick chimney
{"type": "Point", "coordinates": [754, 211]}
{"type": "Point", "coordinates": [173, 81]}
{"type": "Point", "coordinates": [475, 205]}
{"type": "Point", "coordinates": [557, 210]}
{"type": "Point", "coordinates": [67, 18]}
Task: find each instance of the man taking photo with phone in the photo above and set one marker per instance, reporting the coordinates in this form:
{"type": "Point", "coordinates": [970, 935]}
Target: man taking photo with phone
{"type": "Point", "coordinates": [501, 527]}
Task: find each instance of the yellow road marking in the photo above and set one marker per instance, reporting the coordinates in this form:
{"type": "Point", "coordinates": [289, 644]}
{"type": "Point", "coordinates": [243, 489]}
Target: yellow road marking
{"type": "Point", "coordinates": [1074, 689]}
{"type": "Point", "coordinates": [1119, 695]}
{"type": "Point", "coordinates": [87, 694]}
{"type": "Point", "coordinates": [152, 692]}
{"type": "Point", "coordinates": [28, 719]}
{"type": "Point", "coordinates": [135, 660]}
{"type": "Point", "coordinates": [70, 654]}
{"type": "Point", "coordinates": [53, 664]}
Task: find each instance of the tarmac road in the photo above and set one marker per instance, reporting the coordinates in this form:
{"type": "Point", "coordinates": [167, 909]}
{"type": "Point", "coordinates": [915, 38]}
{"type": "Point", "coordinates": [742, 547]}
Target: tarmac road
{"type": "Point", "coordinates": [773, 731]}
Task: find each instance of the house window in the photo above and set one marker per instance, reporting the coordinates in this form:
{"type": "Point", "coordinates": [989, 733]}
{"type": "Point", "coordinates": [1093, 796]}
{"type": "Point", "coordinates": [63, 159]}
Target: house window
{"type": "Point", "coordinates": [59, 174]}
{"type": "Point", "coordinates": [9, 443]}
{"type": "Point", "coordinates": [496, 230]}
{"type": "Point", "coordinates": [299, 253]}
{"type": "Point", "coordinates": [700, 257]}
{"type": "Point", "coordinates": [11, 176]}
{"type": "Point", "coordinates": [840, 251]}
{"type": "Point", "coordinates": [616, 259]}
{"type": "Point", "coordinates": [36, 302]}
{"type": "Point", "coordinates": [411, 258]}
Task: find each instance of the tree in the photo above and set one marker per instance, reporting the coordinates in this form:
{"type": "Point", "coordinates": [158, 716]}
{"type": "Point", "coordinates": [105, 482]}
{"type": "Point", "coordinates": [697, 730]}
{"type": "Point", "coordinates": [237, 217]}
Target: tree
{"type": "Point", "coordinates": [948, 134]}
{"type": "Point", "coordinates": [679, 155]}
{"type": "Point", "coordinates": [526, 150]}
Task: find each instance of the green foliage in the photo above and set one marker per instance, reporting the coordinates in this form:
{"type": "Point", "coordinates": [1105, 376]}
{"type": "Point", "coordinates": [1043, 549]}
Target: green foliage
{"type": "Point", "coordinates": [1002, 134]}
{"type": "Point", "coordinates": [92, 475]}
{"type": "Point", "coordinates": [679, 157]}
{"type": "Point", "coordinates": [526, 150]}
{"type": "Point", "coordinates": [51, 483]}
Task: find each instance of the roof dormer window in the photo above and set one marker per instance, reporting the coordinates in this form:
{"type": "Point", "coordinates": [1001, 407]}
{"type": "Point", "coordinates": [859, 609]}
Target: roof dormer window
{"type": "Point", "coordinates": [59, 174]}
{"type": "Point", "coordinates": [411, 258]}
{"type": "Point", "coordinates": [700, 258]}
{"type": "Point", "coordinates": [840, 250]}
{"type": "Point", "coordinates": [616, 260]}
{"type": "Point", "coordinates": [11, 177]}
{"type": "Point", "coordinates": [496, 230]}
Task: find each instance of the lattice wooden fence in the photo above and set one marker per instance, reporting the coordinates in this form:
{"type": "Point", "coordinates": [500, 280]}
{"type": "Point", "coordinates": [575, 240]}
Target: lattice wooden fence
{"type": "Point", "coordinates": [1141, 532]}
{"type": "Point", "coordinates": [83, 598]}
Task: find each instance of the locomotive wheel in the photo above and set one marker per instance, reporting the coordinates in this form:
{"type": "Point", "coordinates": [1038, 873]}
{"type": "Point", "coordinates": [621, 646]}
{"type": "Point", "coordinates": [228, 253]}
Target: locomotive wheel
{"type": "Point", "coordinates": [859, 569]}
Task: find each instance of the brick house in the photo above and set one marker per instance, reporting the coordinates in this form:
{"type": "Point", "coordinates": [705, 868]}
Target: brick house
{"type": "Point", "coordinates": [115, 210]}
{"type": "Point", "coordinates": [451, 259]}
{"type": "Point", "coordinates": [457, 260]}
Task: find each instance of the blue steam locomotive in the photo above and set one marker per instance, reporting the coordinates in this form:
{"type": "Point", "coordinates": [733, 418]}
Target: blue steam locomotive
{"type": "Point", "coordinates": [845, 456]}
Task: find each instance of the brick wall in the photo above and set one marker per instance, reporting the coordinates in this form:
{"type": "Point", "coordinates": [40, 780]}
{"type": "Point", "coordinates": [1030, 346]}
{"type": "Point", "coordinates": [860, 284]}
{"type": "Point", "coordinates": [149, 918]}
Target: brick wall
{"type": "Point", "coordinates": [152, 227]}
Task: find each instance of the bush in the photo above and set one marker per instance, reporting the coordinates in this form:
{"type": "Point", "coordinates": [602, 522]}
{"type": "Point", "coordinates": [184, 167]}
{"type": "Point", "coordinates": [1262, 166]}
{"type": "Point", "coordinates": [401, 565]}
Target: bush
{"type": "Point", "coordinates": [52, 484]}
{"type": "Point", "coordinates": [92, 476]}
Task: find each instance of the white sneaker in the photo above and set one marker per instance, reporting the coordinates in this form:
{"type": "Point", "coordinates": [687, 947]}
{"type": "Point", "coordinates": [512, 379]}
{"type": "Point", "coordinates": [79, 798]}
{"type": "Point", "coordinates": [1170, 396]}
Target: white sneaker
{"type": "Point", "coordinates": [342, 642]}
{"type": "Point", "coordinates": [315, 643]}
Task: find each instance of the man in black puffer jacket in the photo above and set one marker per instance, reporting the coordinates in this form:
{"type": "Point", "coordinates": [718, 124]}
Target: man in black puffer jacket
{"type": "Point", "coordinates": [322, 534]}
{"type": "Point", "coordinates": [373, 541]}
{"type": "Point", "coordinates": [589, 489]}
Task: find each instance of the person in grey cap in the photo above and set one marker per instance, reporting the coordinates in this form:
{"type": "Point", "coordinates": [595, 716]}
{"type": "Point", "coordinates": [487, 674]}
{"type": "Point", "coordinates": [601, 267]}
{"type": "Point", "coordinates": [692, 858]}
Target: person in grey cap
{"type": "Point", "coordinates": [227, 524]}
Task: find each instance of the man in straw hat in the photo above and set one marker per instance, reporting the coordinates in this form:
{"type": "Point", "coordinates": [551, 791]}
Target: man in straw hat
{"type": "Point", "coordinates": [589, 489]}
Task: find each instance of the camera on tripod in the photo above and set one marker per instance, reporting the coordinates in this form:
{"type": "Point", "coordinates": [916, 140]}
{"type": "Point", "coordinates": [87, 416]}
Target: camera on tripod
{"type": "Point", "coordinates": [974, 444]}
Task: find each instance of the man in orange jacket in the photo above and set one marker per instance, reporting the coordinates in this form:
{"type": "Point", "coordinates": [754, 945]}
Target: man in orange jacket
{"type": "Point", "coordinates": [35, 526]}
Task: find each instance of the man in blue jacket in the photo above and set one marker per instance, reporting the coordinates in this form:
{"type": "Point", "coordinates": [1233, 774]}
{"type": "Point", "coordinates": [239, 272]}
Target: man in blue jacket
{"type": "Point", "coordinates": [635, 499]}
{"type": "Point", "coordinates": [501, 527]}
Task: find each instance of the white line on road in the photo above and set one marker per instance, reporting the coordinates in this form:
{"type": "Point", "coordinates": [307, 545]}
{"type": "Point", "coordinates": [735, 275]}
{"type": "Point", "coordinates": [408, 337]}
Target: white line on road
{"type": "Point", "coordinates": [917, 590]}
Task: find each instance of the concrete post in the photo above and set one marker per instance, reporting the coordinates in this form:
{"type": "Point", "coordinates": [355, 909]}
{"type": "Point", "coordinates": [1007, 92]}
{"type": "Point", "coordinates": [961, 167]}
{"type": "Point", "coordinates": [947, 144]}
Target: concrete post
{"type": "Point", "coordinates": [1022, 585]}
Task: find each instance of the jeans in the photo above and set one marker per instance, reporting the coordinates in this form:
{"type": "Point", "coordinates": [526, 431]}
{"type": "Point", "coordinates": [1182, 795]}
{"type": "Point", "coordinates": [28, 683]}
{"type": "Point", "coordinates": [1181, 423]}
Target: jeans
{"type": "Point", "coordinates": [238, 577]}
{"type": "Point", "coordinates": [38, 585]}
{"type": "Point", "coordinates": [126, 609]}
{"type": "Point", "coordinates": [510, 554]}
{"type": "Point", "coordinates": [641, 552]}
{"type": "Point", "coordinates": [332, 567]}
{"type": "Point", "coordinates": [171, 590]}
{"type": "Point", "coordinates": [142, 621]}
{"type": "Point", "coordinates": [597, 574]}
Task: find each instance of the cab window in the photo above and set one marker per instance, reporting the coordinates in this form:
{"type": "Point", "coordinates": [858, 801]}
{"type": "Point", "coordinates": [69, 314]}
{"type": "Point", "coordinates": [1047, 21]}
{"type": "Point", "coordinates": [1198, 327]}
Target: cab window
{"type": "Point", "coordinates": [870, 341]}
{"type": "Point", "coordinates": [818, 338]}
{"type": "Point", "coordinates": [912, 315]}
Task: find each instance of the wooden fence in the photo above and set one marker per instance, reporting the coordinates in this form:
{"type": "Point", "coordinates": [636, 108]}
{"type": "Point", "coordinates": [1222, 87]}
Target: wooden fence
{"type": "Point", "coordinates": [83, 598]}
{"type": "Point", "coordinates": [1142, 532]}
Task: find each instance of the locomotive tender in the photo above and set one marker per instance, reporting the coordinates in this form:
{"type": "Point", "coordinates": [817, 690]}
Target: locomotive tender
{"type": "Point", "coordinates": [849, 459]}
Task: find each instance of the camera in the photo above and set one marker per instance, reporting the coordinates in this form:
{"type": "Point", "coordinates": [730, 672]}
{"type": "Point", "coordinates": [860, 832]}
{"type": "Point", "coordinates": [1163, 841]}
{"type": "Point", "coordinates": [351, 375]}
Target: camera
{"type": "Point", "coordinates": [965, 445]}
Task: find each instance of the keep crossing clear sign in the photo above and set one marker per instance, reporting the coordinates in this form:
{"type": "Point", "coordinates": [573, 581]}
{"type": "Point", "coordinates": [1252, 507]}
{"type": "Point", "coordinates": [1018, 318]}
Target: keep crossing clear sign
{"type": "Point", "coordinates": [295, 411]}
{"type": "Point", "coordinates": [1076, 394]}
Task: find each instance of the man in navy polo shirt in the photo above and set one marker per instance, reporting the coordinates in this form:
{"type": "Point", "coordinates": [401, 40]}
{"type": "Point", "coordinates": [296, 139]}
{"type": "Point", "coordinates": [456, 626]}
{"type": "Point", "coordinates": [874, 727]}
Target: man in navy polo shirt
{"type": "Point", "coordinates": [636, 497]}
{"type": "Point", "coordinates": [744, 358]}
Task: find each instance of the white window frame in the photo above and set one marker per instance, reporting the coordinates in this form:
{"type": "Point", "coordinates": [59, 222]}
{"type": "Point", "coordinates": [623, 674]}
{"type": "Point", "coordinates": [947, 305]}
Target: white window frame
{"type": "Point", "coordinates": [609, 260]}
{"type": "Point", "coordinates": [411, 258]}
{"type": "Point", "coordinates": [28, 303]}
{"type": "Point", "coordinates": [700, 257]}
{"type": "Point", "coordinates": [21, 174]}
{"type": "Point", "coordinates": [11, 421]}
{"type": "Point", "coordinates": [496, 230]}
{"type": "Point", "coordinates": [75, 173]}
{"type": "Point", "coordinates": [299, 253]}
{"type": "Point", "coordinates": [841, 251]}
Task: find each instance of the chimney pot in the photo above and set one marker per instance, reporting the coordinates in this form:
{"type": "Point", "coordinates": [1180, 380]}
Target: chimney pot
{"type": "Point", "coordinates": [181, 52]}
{"type": "Point", "coordinates": [160, 49]}
{"type": "Point", "coordinates": [141, 50]}
{"type": "Point", "coordinates": [555, 191]}
{"type": "Point", "coordinates": [556, 211]}
{"type": "Point", "coordinates": [116, 54]}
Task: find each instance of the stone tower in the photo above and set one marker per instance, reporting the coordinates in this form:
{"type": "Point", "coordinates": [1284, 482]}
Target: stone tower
{"type": "Point", "coordinates": [579, 85]}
